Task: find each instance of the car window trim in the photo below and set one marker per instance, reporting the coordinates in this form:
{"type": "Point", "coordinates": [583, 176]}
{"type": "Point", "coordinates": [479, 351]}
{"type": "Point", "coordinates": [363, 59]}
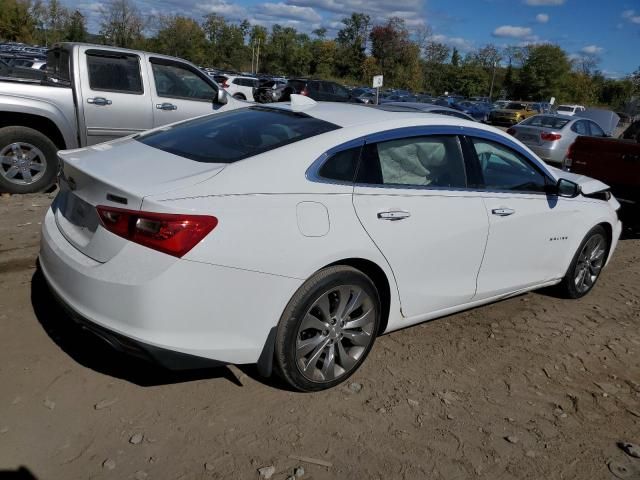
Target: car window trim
{"type": "Point", "coordinates": [405, 132]}
{"type": "Point", "coordinates": [95, 52]}
{"type": "Point", "coordinates": [185, 66]}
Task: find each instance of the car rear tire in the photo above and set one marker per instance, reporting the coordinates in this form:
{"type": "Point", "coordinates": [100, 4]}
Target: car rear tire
{"type": "Point", "coordinates": [28, 160]}
{"type": "Point", "coordinates": [587, 264]}
{"type": "Point", "coordinates": [327, 329]}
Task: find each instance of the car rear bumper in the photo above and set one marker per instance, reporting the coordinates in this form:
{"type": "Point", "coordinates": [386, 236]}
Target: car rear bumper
{"type": "Point", "coordinates": [147, 303]}
{"type": "Point", "coordinates": [554, 156]}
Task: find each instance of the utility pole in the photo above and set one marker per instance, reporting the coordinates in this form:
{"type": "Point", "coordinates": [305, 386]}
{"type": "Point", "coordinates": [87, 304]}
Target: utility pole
{"type": "Point", "coordinates": [258, 57]}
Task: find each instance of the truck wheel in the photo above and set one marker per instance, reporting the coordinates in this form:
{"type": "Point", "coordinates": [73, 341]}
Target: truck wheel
{"type": "Point", "coordinates": [28, 160]}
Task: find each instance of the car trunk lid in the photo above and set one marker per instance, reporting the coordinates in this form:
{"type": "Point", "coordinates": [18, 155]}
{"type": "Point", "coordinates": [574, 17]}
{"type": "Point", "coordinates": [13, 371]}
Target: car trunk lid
{"type": "Point", "coordinates": [116, 174]}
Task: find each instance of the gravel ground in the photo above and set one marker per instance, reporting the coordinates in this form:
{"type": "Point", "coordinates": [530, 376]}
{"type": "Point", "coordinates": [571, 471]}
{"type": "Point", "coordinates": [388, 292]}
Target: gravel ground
{"type": "Point", "coordinates": [529, 388]}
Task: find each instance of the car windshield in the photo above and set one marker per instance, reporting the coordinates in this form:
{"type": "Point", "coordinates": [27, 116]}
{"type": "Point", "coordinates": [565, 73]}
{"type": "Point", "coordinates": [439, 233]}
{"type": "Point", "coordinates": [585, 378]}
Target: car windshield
{"type": "Point", "coordinates": [236, 135]}
{"type": "Point", "coordinates": [546, 121]}
{"type": "Point", "coordinates": [516, 106]}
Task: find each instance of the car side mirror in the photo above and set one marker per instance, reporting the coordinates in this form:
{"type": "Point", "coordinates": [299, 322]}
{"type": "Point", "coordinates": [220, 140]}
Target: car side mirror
{"type": "Point", "coordinates": [567, 188]}
{"type": "Point", "coordinates": [221, 97]}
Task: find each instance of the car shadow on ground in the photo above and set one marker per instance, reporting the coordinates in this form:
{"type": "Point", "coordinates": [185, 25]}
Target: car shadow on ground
{"type": "Point", "coordinates": [630, 216]}
{"type": "Point", "coordinates": [21, 473]}
{"type": "Point", "coordinates": [92, 352]}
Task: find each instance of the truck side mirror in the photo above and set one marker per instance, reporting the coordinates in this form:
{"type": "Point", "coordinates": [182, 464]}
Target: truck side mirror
{"type": "Point", "coordinates": [221, 97]}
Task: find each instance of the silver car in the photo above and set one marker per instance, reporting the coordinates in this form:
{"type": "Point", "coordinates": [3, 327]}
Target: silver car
{"type": "Point", "coordinates": [550, 135]}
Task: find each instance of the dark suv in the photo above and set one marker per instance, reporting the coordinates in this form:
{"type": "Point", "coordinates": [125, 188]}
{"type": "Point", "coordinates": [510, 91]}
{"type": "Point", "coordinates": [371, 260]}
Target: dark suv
{"type": "Point", "coordinates": [320, 90]}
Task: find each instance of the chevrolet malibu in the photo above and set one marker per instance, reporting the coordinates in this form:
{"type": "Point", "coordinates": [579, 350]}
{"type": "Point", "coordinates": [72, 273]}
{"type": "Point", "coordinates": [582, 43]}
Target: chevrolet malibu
{"type": "Point", "coordinates": [293, 235]}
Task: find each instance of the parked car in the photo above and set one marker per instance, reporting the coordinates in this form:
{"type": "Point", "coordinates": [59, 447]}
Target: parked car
{"type": "Point", "coordinates": [500, 104]}
{"type": "Point", "coordinates": [269, 91]}
{"type": "Point", "coordinates": [368, 98]}
{"type": "Point", "coordinates": [478, 110]}
{"type": "Point", "coordinates": [93, 94]}
{"type": "Point", "coordinates": [320, 90]}
{"type": "Point", "coordinates": [292, 235]}
{"type": "Point", "coordinates": [632, 132]}
{"type": "Point", "coordinates": [610, 160]}
{"type": "Point", "coordinates": [570, 109]}
{"type": "Point", "coordinates": [513, 112]}
{"type": "Point", "coordinates": [240, 88]}
{"type": "Point", "coordinates": [423, 107]}
{"type": "Point", "coordinates": [35, 63]}
{"type": "Point", "coordinates": [551, 135]}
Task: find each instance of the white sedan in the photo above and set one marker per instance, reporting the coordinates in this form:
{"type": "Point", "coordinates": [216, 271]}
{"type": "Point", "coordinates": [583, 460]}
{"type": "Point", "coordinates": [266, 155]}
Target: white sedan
{"type": "Point", "coordinates": [292, 235]}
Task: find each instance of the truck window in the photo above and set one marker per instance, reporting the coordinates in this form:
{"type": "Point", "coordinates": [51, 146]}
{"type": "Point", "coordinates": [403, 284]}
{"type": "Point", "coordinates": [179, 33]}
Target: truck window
{"type": "Point", "coordinates": [114, 73]}
{"type": "Point", "coordinates": [175, 81]}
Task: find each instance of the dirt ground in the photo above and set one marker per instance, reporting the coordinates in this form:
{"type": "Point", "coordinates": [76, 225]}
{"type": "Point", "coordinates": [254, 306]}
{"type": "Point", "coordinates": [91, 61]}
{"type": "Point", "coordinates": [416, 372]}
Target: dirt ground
{"type": "Point", "coordinates": [534, 387]}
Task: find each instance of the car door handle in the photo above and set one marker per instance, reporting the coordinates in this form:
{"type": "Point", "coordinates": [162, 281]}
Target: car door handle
{"type": "Point", "coordinates": [628, 157]}
{"type": "Point", "coordinates": [100, 101]}
{"type": "Point", "coordinates": [393, 215]}
{"type": "Point", "coordinates": [503, 212]}
{"type": "Point", "coordinates": [166, 106]}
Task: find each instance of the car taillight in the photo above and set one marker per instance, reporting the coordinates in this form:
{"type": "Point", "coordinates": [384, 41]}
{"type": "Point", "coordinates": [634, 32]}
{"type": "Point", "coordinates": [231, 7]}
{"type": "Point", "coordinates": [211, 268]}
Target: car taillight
{"type": "Point", "coordinates": [511, 131]}
{"type": "Point", "coordinates": [550, 137]}
{"type": "Point", "coordinates": [304, 92]}
{"type": "Point", "coordinates": [225, 84]}
{"type": "Point", "coordinates": [173, 234]}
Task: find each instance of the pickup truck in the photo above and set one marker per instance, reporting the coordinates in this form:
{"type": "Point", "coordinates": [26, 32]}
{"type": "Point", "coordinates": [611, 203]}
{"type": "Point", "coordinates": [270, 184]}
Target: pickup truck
{"type": "Point", "coordinates": [92, 94]}
{"type": "Point", "coordinates": [615, 162]}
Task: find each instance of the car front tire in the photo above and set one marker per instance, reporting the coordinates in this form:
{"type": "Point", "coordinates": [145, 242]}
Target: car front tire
{"type": "Point", "coordinates": [587, 264]}
{"type": "Point", "coordinates": [327, 329]}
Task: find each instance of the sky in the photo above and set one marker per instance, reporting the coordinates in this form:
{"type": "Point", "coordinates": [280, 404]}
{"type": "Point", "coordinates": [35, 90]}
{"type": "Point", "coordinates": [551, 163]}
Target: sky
{"type": "Point", "coordinates": [608, 29]}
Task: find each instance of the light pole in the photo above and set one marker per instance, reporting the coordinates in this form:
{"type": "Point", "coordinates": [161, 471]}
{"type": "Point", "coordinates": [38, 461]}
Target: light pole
{"type": "Point", "coordinates": [493, 77]}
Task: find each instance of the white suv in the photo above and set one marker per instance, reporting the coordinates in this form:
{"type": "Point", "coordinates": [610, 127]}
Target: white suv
{"type": "Point", "coordinates": [570, 109]}
{"type": "Point", "coordinates": [237, 86]}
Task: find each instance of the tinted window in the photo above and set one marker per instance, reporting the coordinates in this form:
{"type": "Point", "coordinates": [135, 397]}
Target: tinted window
{"type": "Point", "coordinates": [580, 127]}
{"type": "Point", "coordinates": [297, 85]}
{"type": "Point", "coordinates": [595, 129]}
{"type": "Point", "coordinates": [430, 161]}
{"type": "Point", "coordinates": [341, 91]}
{"type": "Point", "coordinates": [220, 79]}
{"type": "Point", "coordinates": [546, 121]}
{"type": "Point", "coordinates": [341, 166]}
{"type": "Point", "coordinates": [235, 135]}
{"type": "Point", "coordinates": [516, 106]}
{"type": "Point", "coordinates": [114, 73]}
{"type": "Point", "coordinates": [563, 108]}
{"type": "Point", "coordinates": [176, 81]}
{"type": "Point", "coordinates": [505, 169]}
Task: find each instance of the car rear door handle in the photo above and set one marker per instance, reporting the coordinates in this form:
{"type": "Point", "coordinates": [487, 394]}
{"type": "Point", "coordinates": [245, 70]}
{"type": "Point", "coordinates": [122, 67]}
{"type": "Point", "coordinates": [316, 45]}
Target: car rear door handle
{"type": "Point", "coordinates": [166, 106]}
{"type": "Point", "coordinates": [100, 101]}
{"type": "Point", "coordinates": [393, 215]}
{"type": "Point", "coordinates": [630, 157]}
{"type": "Point", "coordinates": [503, 212]}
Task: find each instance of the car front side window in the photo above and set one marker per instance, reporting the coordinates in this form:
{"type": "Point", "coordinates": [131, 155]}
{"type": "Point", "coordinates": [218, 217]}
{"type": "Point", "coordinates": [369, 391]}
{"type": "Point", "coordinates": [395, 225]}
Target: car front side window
{"type": "Point", "coordinates": [504, 169]}
{"type": "Point", "coordinates": [175, 81]}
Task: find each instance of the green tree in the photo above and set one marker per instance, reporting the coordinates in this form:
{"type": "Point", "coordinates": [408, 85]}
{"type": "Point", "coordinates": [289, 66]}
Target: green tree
{"type": "Point", "coordinates": [122, 25]}
{"type": "Point", "coordinates": [545, 73]}
{"type": "Point", "coordinates": [352, 44]}
{"type": "Point", "coordinates": [16, 22]}
{"type": "Point", "coordinates": [455, 57]}
{"type": "Point", "coordinates": [181, 37]}
{"type": "Point", "coordinates": [76, 30]}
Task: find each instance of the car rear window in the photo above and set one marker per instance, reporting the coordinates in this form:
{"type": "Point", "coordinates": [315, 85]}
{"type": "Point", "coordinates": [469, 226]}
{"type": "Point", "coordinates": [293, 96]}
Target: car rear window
{"type": "Point", "coordinates": [546, 121]}
{"type": "Point", "coordinates": [562, 108]}
{"type": "Point", "coordinates": [231, 136]}
{"type": "Point", "coordinates": [516, 106]}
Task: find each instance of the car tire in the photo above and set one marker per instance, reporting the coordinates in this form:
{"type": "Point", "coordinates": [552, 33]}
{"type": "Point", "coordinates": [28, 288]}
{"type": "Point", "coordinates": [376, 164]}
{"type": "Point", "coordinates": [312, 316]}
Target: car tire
{"type": "Point", "coordinates": [28, 160]}
{"type": "Point", "coordinates": [587, 264]}
{"type": "Point", "coordinates": [327, 329]}
{"type": "Point", "coordinates": [239, 96]}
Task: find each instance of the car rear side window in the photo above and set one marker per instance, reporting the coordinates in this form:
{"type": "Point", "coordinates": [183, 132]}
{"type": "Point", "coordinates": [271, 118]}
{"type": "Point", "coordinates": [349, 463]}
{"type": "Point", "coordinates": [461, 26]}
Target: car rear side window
{"type": "Point", "coordinates": [231, 136]}
{"type": "Point", "coordinates": [341, 166]}
{"type": "Point", "coordinates": [114, 72]}
{"type": "Point", "coordinates": [428, 161]}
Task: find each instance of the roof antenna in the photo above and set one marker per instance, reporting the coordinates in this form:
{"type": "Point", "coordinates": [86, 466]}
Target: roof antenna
{"type": "Point", "coordinates": [300, 102]}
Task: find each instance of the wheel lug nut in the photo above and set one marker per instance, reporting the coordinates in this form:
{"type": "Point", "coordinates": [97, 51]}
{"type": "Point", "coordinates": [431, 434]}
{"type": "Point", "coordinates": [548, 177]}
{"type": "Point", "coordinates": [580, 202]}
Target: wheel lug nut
{"type": "Point", "coordinates": [325, 333]}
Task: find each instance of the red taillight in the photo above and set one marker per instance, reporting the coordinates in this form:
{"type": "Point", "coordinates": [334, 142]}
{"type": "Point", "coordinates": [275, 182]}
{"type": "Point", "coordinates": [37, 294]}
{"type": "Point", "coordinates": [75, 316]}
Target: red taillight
{"type": "Point", "coordinates": [173, 234]}
{"type": "Point", "coordinates": [550, 137]}
{"type": "Point", "coordinates": [225, 84]}
{"type": "Point", "coordinates": [511, 131]}
{"type": "Point", "coordinates": [304, 92]}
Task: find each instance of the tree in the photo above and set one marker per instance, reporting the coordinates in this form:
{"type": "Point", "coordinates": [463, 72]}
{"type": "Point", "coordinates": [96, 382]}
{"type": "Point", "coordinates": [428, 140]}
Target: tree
{"type": "Point", "coordinates": [122, 24]}
{"type": "Point", "coordinates": [181, 37]}
{"type": "Point", "coordinates": [16, 21]}
{"type": "Point", "coordinates": [396, 54]}
{"type": "Point", "coordinates": [544, 73]}
{"type": "Point", "coordinates": [320, 33]}
{"type": "Point", "coordinates": [76, 28]}
{"type": "Point", "coordinates": [352, 44]}
{"type": "Point", "coordinates": [455, 57]}
{"type": "Point", "coordinates": [487, 56]}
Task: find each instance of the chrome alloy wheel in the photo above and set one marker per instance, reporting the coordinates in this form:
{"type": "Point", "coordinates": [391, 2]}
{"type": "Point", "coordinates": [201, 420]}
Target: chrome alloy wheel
{"type": "Point", "coordinates": [22, 163]}
{"type": "Point", "coordinates": [590, 263]}
{"type": "Point", "coordinates": [335, 333]}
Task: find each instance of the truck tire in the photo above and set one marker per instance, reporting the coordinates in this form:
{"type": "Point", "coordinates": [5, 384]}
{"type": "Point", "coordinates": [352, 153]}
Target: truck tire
{"type": "Point", "coordinates": [28, 160]}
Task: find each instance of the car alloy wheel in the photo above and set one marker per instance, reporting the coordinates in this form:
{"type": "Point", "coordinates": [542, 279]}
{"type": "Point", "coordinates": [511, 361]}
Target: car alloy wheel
{"type": "Point", "coordinates": [590, 263]}
{"type": "Point", "coordinates": [22, 163]}
{"type": "Point", "coordinates": [334, 333]}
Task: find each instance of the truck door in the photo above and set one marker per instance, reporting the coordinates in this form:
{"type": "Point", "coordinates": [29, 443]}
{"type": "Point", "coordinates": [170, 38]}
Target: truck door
{"type": "Point", "coordinates": [112, 95]}
{"type": "Point", "coordinates": [179, 91]}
